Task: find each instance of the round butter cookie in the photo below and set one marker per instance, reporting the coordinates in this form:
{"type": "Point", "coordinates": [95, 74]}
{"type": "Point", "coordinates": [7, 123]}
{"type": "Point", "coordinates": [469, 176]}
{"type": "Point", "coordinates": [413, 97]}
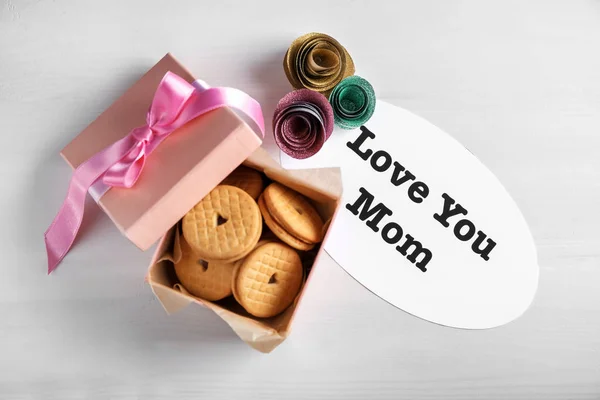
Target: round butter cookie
{"type": "Point", "coordinates": [238, 264]}
{"type": "Point", "coordinates": [294, 213]}
{"type": "Point", "coordinates": [247, 179]}
{"type": "Point", "coordinates": [269, 279]}
{"type": "Point", "coordinates": [224, 226]}
{"type": "Point", "coordinates": [207, 280]}
{"type": "Point", "coordinates": [279, 231]}
{"type": "Point", "coordinates": [236, 270]}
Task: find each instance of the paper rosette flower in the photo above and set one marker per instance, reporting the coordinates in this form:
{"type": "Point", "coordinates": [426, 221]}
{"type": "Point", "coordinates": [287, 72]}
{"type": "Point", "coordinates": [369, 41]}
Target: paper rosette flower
{"type": "Point", "coordinates": [317, 62]}
{"type": "Point", "coordinates": [302, 122]}
{"type": "Point", "coordinates": [353, 102]}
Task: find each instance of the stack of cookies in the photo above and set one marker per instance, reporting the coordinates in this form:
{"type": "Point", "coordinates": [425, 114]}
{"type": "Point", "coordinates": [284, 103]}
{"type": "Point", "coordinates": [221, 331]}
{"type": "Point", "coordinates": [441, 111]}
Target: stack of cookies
{"type": "Point", "coordinates": [227, 251]}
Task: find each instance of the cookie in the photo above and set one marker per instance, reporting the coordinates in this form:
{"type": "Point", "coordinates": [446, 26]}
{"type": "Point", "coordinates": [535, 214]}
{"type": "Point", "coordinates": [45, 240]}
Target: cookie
{"type": "Point", "coordinates": [269, 279]}
{"type": "Point", "coordinates": [278, 229]}
{"type": "Point", "coordinates": [294, 213]}
{"type": "Point", "coordinates": [207, 280]}
{"type": "Point", "coordinates": [247, 179]}
{"type": "Point", "coordinates": [236, 269]}
{"type": "Point", "coordinates": [224, 226]}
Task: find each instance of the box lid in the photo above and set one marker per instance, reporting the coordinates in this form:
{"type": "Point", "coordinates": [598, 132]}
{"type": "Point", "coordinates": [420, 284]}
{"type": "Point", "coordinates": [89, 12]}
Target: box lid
{"type": "Point", "coordinates": [179, 172]}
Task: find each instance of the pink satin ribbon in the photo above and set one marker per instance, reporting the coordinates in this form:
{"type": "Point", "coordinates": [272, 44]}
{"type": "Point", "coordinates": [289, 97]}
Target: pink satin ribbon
{"type": "Point", "coordinates": [175, 103]}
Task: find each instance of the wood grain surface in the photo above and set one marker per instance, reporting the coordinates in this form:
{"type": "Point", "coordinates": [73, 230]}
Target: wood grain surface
{"type": "Point", "coordinates": [517, 82]}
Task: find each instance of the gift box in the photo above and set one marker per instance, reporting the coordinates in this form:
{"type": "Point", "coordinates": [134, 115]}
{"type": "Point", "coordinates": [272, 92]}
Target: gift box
{"type": "Point", "coordinates": [181, 170]}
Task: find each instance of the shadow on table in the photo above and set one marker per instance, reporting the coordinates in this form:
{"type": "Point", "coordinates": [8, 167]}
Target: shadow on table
{"type": "Point", "coordinates": [140, 326]}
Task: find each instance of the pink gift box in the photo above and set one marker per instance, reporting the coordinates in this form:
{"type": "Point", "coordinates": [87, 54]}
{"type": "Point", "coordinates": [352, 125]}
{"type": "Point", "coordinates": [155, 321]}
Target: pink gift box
{"type": "Point", "coordinates": [182, 170]}
{"type": "Point", "coordinates": [185, 167]}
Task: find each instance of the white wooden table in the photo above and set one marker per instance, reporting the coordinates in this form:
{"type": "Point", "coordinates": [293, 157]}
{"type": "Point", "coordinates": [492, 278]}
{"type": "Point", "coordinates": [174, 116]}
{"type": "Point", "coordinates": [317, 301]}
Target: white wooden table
{"type": "Point", "coordinates": [516, 82]}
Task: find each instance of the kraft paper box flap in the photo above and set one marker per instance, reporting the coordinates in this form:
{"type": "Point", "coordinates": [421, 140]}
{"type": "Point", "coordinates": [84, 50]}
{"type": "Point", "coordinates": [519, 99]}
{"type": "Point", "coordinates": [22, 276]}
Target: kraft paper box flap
{"type": "Point", "coordinates": [179, 172]}
{"type": "Point", "coordinates": [323, 186]}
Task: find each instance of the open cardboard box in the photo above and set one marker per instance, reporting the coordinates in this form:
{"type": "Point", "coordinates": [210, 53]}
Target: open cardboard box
{"type": "Point", "coordinates": [183, 169]}
{"type": "Point", "coordinates": [322, 186]}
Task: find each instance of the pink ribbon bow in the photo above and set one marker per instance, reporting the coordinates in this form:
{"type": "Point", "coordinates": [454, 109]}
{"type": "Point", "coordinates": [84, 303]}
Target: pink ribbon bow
{"type": "Point", "coordinates": [175, 103]}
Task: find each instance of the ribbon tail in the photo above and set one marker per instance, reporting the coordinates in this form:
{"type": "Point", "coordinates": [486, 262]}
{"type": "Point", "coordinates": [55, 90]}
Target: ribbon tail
{"type": "Point", "coordinates": [63, 230]}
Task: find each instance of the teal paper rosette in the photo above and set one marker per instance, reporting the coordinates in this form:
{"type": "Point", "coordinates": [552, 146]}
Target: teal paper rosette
{"type": "Point", "coordinates": [353, 102]}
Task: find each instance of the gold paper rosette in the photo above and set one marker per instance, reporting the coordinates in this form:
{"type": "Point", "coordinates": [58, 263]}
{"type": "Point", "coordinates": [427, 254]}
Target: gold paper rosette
{"type": "Point", "coordinates": [317, 62]}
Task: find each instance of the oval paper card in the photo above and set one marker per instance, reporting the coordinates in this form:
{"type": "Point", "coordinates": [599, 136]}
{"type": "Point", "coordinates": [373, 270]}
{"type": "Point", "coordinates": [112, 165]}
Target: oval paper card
{"type": "Point", "coordinates": [425, 225]}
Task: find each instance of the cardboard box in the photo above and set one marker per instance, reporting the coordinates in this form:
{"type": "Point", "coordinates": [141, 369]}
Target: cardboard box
{"type": "Point", "coordinates": [184, 168]}
{"type": "Point", "coordinates": [322, 186]}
